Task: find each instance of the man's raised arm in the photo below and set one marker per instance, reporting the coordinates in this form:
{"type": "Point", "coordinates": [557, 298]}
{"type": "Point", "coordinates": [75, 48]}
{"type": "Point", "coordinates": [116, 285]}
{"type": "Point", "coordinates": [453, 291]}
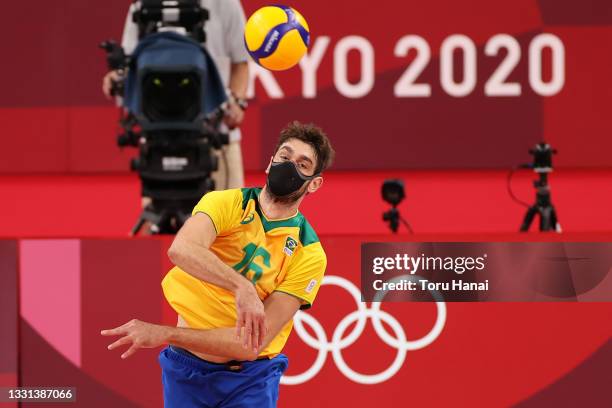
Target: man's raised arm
{"type": "Point", "coordinates": [191, 252]}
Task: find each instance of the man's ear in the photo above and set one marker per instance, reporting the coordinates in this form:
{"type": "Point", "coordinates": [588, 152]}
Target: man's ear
{"type": "Point", "coordinates": [315, 184]}
{"type": "Point", "coordinates": [269, 165]}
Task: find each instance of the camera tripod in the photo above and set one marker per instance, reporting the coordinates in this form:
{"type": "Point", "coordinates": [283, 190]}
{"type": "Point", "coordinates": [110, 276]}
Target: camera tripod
{"type": "Point", "coordinates": [393, 217]}
{"type": "Point", "coordinates": [542, 207]}
{"type": "Point", "coordinates": [166, 220]}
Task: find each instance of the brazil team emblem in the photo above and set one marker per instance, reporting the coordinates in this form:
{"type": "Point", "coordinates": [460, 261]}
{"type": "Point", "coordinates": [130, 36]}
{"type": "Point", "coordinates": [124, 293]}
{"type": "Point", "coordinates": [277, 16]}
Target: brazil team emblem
{"type": "Point", "coordinates": [290, 246]}
{"type": "Point", "coordinates": [248, 219]}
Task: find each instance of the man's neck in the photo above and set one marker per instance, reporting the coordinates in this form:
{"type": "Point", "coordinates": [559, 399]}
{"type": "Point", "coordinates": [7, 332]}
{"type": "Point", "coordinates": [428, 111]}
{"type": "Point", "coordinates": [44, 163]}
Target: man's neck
{"type": "Point", "coordinates": [274, 210]}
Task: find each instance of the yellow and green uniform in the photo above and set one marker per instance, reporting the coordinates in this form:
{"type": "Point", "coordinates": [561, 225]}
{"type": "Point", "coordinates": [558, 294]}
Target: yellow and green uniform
{"type": "Point", "coordinates": [275, 255]}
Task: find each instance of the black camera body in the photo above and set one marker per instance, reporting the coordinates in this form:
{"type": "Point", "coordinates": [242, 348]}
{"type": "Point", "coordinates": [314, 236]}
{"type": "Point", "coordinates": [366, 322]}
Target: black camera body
{"type": "Point", "coordinates": [154, 14]}
{"type": "Point", "coordinates": [542, 157]}
{"type": "Point", "coordinates": [172, 107]}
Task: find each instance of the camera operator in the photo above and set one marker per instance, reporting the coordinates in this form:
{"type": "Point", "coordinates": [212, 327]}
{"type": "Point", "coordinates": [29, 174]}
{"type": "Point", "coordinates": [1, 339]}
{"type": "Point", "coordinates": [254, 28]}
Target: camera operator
{"type": "Point", "coordinates": [225, 44]}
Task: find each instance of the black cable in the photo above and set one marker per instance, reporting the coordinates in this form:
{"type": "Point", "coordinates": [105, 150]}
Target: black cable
{"type": "Point", "coordinates": [509, 186]}
{"type": "Point", "coordinates": [407, 225]}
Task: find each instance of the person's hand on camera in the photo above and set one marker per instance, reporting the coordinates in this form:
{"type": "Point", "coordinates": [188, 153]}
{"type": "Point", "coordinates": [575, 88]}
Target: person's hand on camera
{"type": "Point", "coordinates": [107, 82]}
{"type": "Point", "coordinates": [234, 115]}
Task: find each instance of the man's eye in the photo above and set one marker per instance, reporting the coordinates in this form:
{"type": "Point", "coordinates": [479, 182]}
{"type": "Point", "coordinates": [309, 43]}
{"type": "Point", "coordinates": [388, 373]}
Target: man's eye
{"type": "Point", "coordinates": [302, 165]}
{"type": "Point", "coordinates": [284, 158]}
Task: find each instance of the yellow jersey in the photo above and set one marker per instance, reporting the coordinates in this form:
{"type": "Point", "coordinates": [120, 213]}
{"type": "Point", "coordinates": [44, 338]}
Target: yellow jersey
{"type": "Point", "coordinates": [282, 255]}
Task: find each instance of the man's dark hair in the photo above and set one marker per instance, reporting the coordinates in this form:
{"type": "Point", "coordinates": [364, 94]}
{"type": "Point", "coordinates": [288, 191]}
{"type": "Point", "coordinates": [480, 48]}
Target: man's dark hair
{"type": "Point", "coordinates": [315, 137]}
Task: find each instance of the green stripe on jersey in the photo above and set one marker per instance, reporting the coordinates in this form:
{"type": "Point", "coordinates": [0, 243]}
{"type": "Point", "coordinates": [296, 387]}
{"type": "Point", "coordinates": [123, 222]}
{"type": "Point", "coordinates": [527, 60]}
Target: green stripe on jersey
{"type": "Point", "coordinates": [307, 233]}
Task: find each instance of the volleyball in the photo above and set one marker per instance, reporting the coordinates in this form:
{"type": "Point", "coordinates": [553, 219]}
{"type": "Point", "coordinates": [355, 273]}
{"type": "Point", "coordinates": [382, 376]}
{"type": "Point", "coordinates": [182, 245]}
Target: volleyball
{"type": "Point", "coordinates": [276, 37]}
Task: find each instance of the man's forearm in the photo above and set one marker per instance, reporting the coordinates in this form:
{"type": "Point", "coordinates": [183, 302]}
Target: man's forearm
{"type": "Point", "coordinates": [280, 308]}
{"type": "Point", "coordinates": [218, 342]}
{"type": "Point", "coordinates": [239, 79]}
{"type": "Point", "coordinates": [222, 342]}
{"type": "Point", "coordinates": [203, 264]}
{"type": "Point", "coordinates": [190, 252]}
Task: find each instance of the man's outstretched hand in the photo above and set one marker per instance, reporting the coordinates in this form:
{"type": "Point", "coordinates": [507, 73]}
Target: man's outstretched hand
{"type": "Point", "coordinates": [251, 326]}
{"type": "Point", "coordinates": [250, 316]}
{"type": "Point", "coordinates": [137, 334]}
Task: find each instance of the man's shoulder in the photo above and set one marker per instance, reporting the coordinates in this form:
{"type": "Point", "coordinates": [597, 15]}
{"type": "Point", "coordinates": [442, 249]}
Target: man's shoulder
{"type": "Point", "coordinates": [219, 201]}
{"type": "Point", "coordinates": [229, 195]}
{"type": "Point", "coordinates": [310, 245]}
{"type": "Point", "coordinates": [308, 236]}
{"type": "Point", "coordinates": [310, 252]}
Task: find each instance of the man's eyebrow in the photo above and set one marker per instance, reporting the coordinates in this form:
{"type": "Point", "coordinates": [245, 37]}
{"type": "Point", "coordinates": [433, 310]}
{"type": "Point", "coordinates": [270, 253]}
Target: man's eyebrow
{"type": "Point", "coordinates": [302, 157]}
{"type": "Point", "coordinates": [306, 158]}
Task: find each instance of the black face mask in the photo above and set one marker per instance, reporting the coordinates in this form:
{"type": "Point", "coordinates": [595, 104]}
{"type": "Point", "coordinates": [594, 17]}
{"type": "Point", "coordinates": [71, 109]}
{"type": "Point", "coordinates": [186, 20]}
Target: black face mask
{"type": "Point", "coordinates": [284, 178]}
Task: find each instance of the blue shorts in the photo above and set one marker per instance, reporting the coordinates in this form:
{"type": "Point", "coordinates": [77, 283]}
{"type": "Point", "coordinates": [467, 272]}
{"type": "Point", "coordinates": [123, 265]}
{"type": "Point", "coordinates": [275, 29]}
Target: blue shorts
{"type": "Point", "coordinates": [190, 381]}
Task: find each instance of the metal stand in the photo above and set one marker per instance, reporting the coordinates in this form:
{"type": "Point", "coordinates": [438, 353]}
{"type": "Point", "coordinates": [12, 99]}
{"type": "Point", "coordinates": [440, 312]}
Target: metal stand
{"type": "Point", "coordinates": [393, 217]}
{"type": "Point", "coordinates": [542, 207]}
{"type": "Point", "coordinates": [166, 221]}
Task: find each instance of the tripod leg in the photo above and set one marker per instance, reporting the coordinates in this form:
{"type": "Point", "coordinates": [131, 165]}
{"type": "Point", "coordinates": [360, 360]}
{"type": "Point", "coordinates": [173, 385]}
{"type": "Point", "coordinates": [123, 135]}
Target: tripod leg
{"type": "Point", "coordinates": [545, 218]}
{"type": "Point", "coordinates": [553, 220]}
{"type": "Point", "coordinates": [148, 217]}
{"type": "Point", "coordinates": [531, 212]}
{"type": "Point", "coordinates": [161, 223]}
{"type": "Point", "coordinates": [136, 228]}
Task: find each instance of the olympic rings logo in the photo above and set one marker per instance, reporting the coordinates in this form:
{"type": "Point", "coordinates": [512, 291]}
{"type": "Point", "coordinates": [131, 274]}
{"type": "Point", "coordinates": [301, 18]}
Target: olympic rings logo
{"type": "Point", "coordinates": [339, 342]}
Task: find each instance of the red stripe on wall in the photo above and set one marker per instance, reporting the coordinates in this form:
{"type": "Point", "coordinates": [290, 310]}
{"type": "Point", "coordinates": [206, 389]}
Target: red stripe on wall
{"type": "Point", "coordinates": [348, 202]}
